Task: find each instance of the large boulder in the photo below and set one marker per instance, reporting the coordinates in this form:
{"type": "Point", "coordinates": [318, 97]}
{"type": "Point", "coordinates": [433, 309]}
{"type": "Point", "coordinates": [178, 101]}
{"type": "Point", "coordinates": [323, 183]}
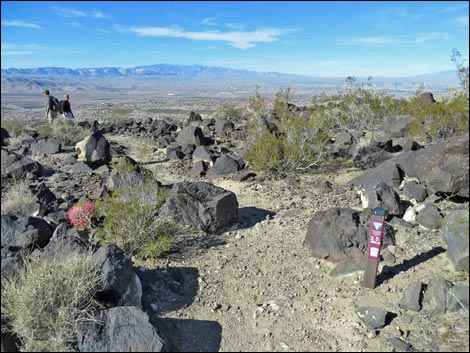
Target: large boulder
{"type": "Point", "coordinates": [202, 205]}
{"type": "Point", "coordinates": [17, 166]}
{"type": "Point", "coordinates": [442, 168]}
{"type": "Point", "coordinates": [94, 150]}
{"type": "Point", "coordinates": [119, 285]}
{"type": "Point", "coordinates": [25, 232]}
{"type": "Point", "coordinates": [194, 117]}
{"type": "Point", "coordinates": [382, 195]}
{"type": "Point", "coordinates": [341, 234]}
{"type": "Point", "coordinates": [386, 172]}
{"type": "Point", "coordinates": [224, 165]}
{"type": "Point", "coordinates": [120, 329]}
{"type": "Point", "coordinates": [223, 127]}
{"type": "Point", "coordinates": [191, 135]}
{"type": "Point", "coordinates": [455, 233]}
{"type": "Point", "coordinates": [66, 242]}
{"type": "Point", "coordinates": [4, 136]}
{"type": "Point", "coordinates": [45, 147]}
{"type": "Point", "coordinates": [398, 126]}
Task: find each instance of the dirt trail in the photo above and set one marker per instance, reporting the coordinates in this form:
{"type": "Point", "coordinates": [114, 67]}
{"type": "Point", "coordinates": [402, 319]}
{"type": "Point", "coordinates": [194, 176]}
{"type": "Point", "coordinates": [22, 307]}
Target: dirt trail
{"type": "Point", "coordinates": [256, 288]}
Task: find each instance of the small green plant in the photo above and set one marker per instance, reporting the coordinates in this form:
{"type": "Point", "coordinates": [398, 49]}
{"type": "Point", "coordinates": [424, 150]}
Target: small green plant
{"type": "Point", "coordinates": [297, 144]}
{"type": "Point", "coordinates": [67, 131]}
{"type": "Point", "coordinates": [14, 127]}
{"type": "Point", "coordinates": [131, 216]}
{"type": "Point", "coordinates": [18, 200]}
{"type": "Point", "coordinates": [47, 301]}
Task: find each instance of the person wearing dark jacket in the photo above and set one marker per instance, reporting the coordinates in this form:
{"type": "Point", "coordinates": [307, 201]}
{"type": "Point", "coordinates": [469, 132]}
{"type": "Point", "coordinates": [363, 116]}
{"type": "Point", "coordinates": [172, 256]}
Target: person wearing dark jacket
{"type": "Point", "coordinates": [51, 114]}
{"type": "Point", "coordinates": [66, 109]}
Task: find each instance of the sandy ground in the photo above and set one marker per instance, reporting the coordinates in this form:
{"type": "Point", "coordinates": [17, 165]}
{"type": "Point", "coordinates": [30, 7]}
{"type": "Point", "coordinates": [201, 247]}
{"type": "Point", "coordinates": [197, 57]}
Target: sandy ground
{"type": "Point", "coordinates": [256, 287]}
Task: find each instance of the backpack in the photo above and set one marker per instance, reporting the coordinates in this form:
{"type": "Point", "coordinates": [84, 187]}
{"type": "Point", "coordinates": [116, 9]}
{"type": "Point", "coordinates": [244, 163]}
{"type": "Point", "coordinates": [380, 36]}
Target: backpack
{"type": "Point", "coordinates": [55, 104]}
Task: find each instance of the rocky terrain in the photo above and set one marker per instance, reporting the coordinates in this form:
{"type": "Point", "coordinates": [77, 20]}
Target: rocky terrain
{"type": "Point", "coordinates": [263, 264]}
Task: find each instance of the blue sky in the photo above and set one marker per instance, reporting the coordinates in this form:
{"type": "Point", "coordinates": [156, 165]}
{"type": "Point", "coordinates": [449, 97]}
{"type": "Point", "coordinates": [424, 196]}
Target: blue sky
{"type": "Point", "coordinates": [309, 38]}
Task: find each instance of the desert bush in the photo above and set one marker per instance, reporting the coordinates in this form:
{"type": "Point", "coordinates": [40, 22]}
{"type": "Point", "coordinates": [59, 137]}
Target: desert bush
{"type": "Point", "coordinates": [67, 131]}
{"type": "Point", "coordinates": [17, 198]}
{"type": "Point", "coordinates": [298, 144]}
{"type": "Point", "coordinates": [132, 220]}
{"type": "Point", "coordinates": [438, 121]}
{"type": "Point", "coordinates": [15, 127]}
{"type": "Point", "coordinates": [47, 301]}
{"type": "Point", "coordinates": [230, 111]}
{"type": "Point", "coordinates": [360, 108]}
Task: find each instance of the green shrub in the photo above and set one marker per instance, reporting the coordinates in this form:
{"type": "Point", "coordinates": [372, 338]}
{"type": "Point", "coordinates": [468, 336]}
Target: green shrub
{"type": "Point", "coordinates": [14, 127]}
{"type": "Point", "coordinates": [46, 302]}
{"type": "Point", "coordinates": [230, 111]}
{"type": "Point", "coordinates": [298, 144]}
{"type": "Point", "coordinates": [18, 200]}
{"type": "Point", "coordinates": [67, 131]}
{"type": "Point", "coordinates": [131, 218]}
{"type": "Point", "coordinates": [438, 121]}
{"type": "Point", "coordinates": [360, 108]}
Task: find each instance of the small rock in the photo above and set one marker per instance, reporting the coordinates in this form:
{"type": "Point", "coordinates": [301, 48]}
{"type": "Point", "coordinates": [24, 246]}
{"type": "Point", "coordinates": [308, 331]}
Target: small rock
{"type": "Point", "coordinates": [412, 297]}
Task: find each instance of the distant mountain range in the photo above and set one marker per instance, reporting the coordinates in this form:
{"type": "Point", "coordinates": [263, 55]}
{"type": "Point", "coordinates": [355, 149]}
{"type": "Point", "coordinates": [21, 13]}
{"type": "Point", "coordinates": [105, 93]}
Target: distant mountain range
{"type": "Point", "coordinates": [35, 79]}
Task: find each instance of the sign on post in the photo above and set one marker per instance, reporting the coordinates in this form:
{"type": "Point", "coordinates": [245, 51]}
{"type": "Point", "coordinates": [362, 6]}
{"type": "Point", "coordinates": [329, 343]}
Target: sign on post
{"type": "Point", "coordinates": [377, 226]}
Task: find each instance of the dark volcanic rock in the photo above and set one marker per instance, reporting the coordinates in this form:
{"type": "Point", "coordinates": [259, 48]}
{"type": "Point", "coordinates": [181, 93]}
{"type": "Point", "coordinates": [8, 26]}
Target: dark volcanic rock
{"type": "Point", "coordinates": [370, 157]}
{"type": "Point", "coordinates": [120, 329]}
{"type": "Point", "coordinates": [429, 216]}
{"type": "Point", "coordinates": [25, 232]}
{"type": "Point", "coordinates": [413, 190]}
{"type": "Point", "coordinates": [386, 172]}
{"type": "Point", "coordinates": [202, 153]}
{"type": "Point", "coordinates": [224, 165]}
{"type": "Point", "coordinates": [442, 168]}
{"type": "Point", "coordinates": [191, 135]}
{"type": "Point", "coordinates": [199, 169]}
{"type": "Point", "coordinates": [194, 117]}
{"type": "Point", "coordinates": [373, 318]}
{"type": "Point", "coordinates": [412, 296]}
{"type": "Point", "coordinates": [398, 126]}
{"type": "Point", "coordinates": [455, 233]}
{"type": "Point", "coordinates": [427, 98]}
{"type": "Point", "coordinates": [120, 285]}
{"type": "Point", "coordinates": [65, 243]}
{"type": "Point", "coordinates": [223, 127]}
{"type": "Point", "coordinates": [458, 298]}
{"type": "Point", "coordinates": [45, 147]}
{"type": "Point", "coordinates": [4, 135]}
{"type": "Point", "coordinates": [340, 234]}
{"type": "Point", "coordinates": [202, 206]}
{"type": "Point", "coordinates": [174, 152]}
{"type": "Point", "coordinates": [16, 166]}
{"type": "Point", "coordinates": [384, 196]}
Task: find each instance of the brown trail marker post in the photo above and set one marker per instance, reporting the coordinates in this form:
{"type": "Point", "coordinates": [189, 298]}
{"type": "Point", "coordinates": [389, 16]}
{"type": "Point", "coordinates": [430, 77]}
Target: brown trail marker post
{"type": "Point", "coordinates": [377, 225]}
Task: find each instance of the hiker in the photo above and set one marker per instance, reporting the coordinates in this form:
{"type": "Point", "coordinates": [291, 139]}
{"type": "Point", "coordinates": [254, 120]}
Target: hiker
{"type": "Point", "coordinates": [65, 107]}
{"type": "Point", "coordinates": [51, 109]}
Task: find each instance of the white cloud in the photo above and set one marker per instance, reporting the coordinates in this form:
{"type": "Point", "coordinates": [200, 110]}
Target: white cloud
{"type": "Point", "coordinates": [119, 28]}
{"type": "Point", "coordinates": [455, 8]}
{"type": "Point", "coordinates": [411, 38]}
{"type": "Point", "coordinates": [429, 36]}
{"type": "Point", "coordinates": [19, 23]}
{"type": "Point", "coordinates": [71, 13]}
{"type": "Point", "coordinates": [461, 21]}
{"type": "Point", "coordinates": [16, 52]}
{"type": "Point", "coordinates": [238, 39]}
{"type": "Point", "coordinates": [103, 30]}
{"type": "Point", "coordinates": [9, 49]}
{"type": "Point", "coordinates": [210, 21]}
{"type": "Point", "coordinates": [373, 40]}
